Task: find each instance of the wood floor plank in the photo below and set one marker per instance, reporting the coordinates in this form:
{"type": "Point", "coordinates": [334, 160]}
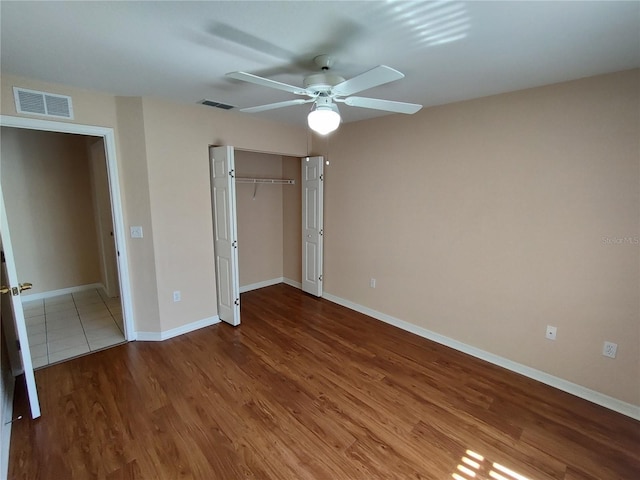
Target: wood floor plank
{"type": "Point", "coordinates": [307, 389]}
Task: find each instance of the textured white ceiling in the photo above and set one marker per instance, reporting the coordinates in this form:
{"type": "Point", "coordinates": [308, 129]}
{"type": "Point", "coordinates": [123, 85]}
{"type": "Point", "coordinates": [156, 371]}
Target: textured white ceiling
{"type": "Point", "coordinates": [449, 51]}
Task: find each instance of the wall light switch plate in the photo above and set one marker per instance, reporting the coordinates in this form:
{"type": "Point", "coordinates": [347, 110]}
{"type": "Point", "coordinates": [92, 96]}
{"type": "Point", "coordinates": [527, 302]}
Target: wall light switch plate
{"type": "Point", "coordinates": [136, 232]}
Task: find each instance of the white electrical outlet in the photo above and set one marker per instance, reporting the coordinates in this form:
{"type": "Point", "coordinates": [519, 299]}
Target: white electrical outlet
{"type": "Point", "coordinates": [372, 283]}
{"type": "Point", "coordinates": [551, 332]}
{"type": "Point", "coordinates": [176, 296]}
{"type": "Point", "coordinates": [136, 232]}
{"type": "Point", "coordinates": [610, 349]}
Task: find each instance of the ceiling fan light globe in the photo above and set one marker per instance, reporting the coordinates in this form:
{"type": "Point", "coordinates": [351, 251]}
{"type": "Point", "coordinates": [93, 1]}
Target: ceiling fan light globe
{"type": "Point", "coordinates": [323, 120]}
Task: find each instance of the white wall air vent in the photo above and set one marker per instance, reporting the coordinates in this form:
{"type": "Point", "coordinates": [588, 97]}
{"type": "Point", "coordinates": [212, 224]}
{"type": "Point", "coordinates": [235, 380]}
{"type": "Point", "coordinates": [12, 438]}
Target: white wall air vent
{"type": "Point", "coordinates": [46, 104]}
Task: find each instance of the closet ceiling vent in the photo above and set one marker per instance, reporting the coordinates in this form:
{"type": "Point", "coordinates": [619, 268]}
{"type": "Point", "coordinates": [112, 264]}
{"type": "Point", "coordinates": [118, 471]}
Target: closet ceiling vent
{"type": "Point", "coordinates": [33, 102]}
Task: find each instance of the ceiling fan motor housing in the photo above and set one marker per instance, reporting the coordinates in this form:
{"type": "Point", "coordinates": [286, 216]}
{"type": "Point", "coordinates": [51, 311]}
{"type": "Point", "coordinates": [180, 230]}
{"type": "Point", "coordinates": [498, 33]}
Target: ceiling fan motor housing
{"type": "Point", "coordinates": [322, 82]}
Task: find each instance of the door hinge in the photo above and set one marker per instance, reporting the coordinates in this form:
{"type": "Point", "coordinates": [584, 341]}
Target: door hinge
{"type": "Point", "coordinates": [13, 420]}
{"type": "Point", "coordinates": [2, 255]}
{"type": "Point", "coordinates": [18, 344]}
{"type": "Point", "coordinates": [320, 278]}
{"type": "Point", "coordinates": [234, 244]}
{"type": "Point", "coordinates": [231, 174]}
{"type": "Point", "coordinates": [322, 177]}
{"type": "Point", "coordinates": [236, 301]}
{"type": "Point", "coordinates": [321, 231]}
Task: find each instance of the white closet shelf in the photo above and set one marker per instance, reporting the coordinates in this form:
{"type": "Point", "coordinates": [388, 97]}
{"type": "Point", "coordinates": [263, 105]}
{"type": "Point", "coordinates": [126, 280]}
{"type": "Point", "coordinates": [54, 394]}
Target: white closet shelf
{"type": "Point", "coordinates": [271, 181]}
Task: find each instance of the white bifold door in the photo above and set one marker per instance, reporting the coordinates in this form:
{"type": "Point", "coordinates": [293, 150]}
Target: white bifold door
{"type": "Point", "coordinates": [223, 193]}
{"type": "Point", "coordinates": [13, 314]}
{"type": "Point", "coordinates": [312, 224]}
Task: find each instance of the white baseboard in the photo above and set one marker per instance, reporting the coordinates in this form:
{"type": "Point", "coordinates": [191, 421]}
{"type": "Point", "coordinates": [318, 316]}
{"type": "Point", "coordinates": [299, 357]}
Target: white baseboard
{"type": "Point", "coordinates": [292, 283]}
{"type": "Point", "coordinates": [63, 291]}
{"type": "Point", "coordinates": [268, 283]}
{"type": "Point", "coordinates": [265, 283]}
{"type": "Point", "coordinates": [598, 398]}
{"type": "Point", "coordinates": [174, 332]}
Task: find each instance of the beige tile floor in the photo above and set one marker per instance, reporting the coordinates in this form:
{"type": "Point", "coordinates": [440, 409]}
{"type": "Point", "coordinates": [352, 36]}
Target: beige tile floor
{"type": "Point", "coordinates": [69, 325]}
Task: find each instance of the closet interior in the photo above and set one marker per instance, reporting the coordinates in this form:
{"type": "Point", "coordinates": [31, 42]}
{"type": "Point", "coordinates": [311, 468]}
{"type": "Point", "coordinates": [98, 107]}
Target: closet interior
{"type": "Point", "coordinates": [269, 212]}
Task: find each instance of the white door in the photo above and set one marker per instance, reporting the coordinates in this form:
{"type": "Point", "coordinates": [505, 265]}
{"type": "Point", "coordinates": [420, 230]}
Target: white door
{"type": "Point", "coordinates": [223, 197]}
{"type": "Point", "coordinates": [12, 305]}
{"type": "Point", "coordinates": [104, 217]}
{"type": "Point", "coordinates": [312, 224]}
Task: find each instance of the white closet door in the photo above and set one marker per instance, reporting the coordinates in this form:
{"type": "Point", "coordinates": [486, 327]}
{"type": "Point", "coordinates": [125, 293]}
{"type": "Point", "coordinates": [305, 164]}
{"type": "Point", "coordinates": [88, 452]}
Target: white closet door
{"type": "Point", "coordinates": [223, 193]}
{"type": "Point", "coordinates": [12, 307]}
{"type": "Point", "coordinates": [312, 224]}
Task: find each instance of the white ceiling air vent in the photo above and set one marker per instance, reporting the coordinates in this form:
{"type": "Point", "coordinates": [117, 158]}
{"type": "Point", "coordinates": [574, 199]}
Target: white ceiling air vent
{"type": "Point", "coordinates": [42, 103]}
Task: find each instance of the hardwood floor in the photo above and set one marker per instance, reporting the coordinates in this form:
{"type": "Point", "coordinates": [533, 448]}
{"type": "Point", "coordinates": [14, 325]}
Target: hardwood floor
{"type": "Point", "coordinates": [306, 389]}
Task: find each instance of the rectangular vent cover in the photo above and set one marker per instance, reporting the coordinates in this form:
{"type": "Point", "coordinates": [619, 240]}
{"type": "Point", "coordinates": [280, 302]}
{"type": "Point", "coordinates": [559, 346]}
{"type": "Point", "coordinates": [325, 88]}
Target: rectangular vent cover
{"type": "Point", "coordinates": [211, 103]}
{"type": "Point", "coordinates": [42, 103]}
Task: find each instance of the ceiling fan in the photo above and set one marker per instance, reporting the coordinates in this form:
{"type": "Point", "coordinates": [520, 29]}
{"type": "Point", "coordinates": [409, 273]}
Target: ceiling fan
{"type": "Point", "coordinates": [326, 89]}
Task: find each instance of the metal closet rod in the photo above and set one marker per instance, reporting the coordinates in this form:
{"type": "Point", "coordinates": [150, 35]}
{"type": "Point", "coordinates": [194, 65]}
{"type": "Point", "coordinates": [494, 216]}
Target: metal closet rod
{"type": "Point", "coordinates": [274, 181]}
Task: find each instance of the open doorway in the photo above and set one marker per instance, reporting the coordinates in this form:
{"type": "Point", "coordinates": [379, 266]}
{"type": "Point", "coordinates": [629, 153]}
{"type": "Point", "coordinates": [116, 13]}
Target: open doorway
{"type": "Point", "coordinates": [64, 212]}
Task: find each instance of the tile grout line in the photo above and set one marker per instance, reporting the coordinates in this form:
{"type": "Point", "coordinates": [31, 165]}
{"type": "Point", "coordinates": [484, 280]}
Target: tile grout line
{"type": "Point", "coordinates": [83, 332]}
{"type": "Point", "coordinates": [111, 313]}
{"type": "Point", "coordinates": [81, 323]}
{"type": "Point", "coordinates": [110, 316]}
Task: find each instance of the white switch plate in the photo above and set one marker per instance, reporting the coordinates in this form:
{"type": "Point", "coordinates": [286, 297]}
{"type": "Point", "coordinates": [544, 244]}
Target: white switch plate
{"type": "Point", "coordinates": [136, 232]}
{"type": "Point", "coordinates": [372, 283]}
{"type": "Point", "coordinates": [176, 296]}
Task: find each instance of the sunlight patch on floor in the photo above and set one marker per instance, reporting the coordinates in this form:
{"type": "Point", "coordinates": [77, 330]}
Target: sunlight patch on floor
{"type": "Point", "coordinates": [475, 466]}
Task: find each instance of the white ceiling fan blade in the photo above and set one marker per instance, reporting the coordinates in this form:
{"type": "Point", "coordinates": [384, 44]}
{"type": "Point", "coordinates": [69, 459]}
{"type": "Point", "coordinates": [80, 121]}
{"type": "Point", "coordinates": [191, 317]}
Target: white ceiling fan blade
{"type": "Point", "coordinates": [387, 105]}
{"type": "Point", "coordinates": [369, 79]}
{"type": "Point", "coordinates": [272, 106]}
{"type": "Point", "coordinates": [265, 82]}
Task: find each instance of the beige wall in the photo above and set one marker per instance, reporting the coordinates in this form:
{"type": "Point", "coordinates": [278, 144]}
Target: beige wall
{"type": "Point", "coordinates": [259, 219]}
{"type": "Point", "coordinates": [487, 220]}
{"type": "Point", "coordinates": [47, 189]}
{"type": "Point", "coordinates": [292, 221]}
{"type": "Point", "coordinates": [134, 178]}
